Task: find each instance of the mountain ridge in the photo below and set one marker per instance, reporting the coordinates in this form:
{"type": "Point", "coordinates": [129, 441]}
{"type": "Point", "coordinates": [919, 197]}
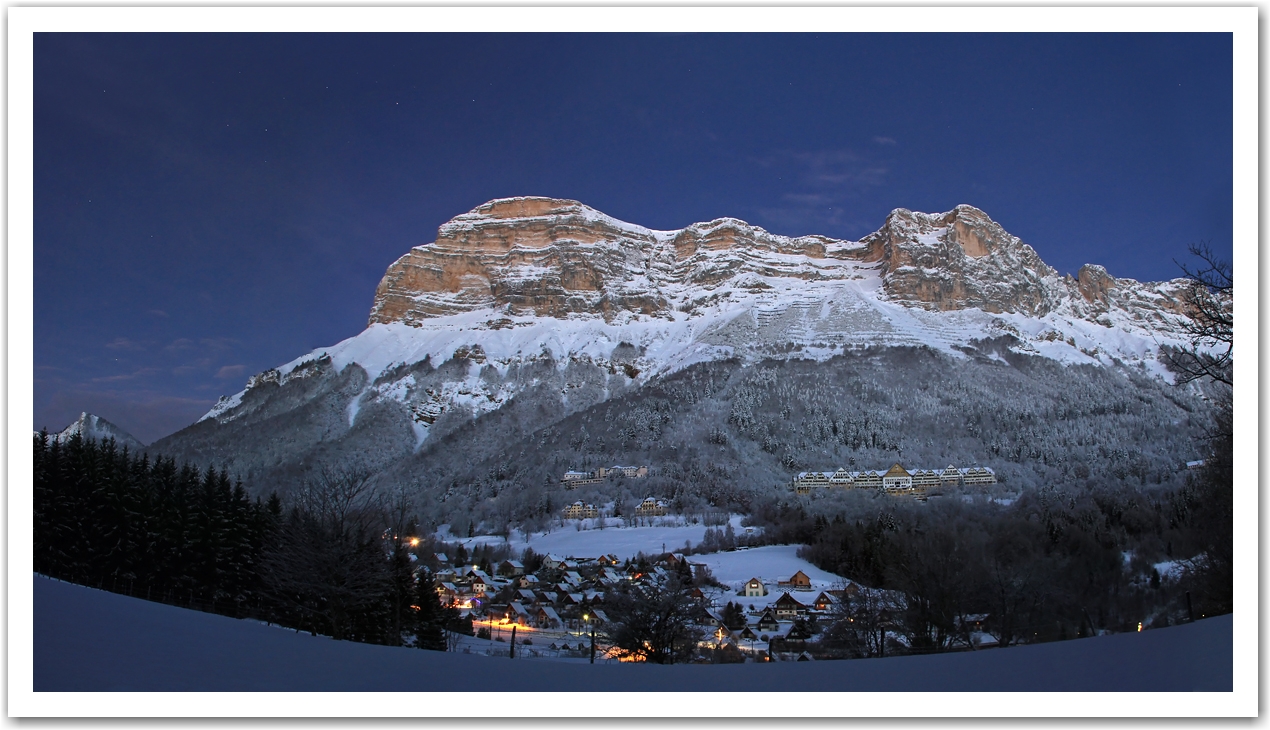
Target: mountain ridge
{"type": "Point", "coordinates": [527, 311]}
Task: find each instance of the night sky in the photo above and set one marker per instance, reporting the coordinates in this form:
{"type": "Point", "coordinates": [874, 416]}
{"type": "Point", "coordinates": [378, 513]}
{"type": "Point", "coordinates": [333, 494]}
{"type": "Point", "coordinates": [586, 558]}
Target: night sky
{"type": "Point", "coordinates": [209, 206]}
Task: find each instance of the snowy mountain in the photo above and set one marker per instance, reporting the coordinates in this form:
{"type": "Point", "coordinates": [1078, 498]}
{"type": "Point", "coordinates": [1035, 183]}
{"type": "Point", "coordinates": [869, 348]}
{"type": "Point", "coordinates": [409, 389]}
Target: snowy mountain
{"type": "Point", "coordinates": [523, 280]}
{"type": "Point", "coordinates": [98, 429]}
{"type": "Point", "coordinates": [554, 307]}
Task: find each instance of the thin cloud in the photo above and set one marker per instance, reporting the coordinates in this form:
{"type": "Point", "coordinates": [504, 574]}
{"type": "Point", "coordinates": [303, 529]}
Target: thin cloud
{"type": "Point", "coordinates": [884, 141]}
{"type": "Point", "coordinates": [219, 343]}
{"type": "Point", "coordinates": [231, 371]}
{"type": "Point", "coordinates": [141, 373]}
{"type": "Point", "coordinates": [160, 313]}
{"type": "Point", "coordinates": [180, 345]}
{"type": "Point", "coordinates": [200, 365]}
{"type": "Point", "coordinates": [825, 184]}
{"type": "Point", "coordinates": [123, 343]}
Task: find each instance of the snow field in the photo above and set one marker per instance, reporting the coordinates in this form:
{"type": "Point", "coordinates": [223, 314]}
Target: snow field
{"type": "Point", "coordinates": [624, 542]}
{"type": "Point", "coordinates": [85, 640]}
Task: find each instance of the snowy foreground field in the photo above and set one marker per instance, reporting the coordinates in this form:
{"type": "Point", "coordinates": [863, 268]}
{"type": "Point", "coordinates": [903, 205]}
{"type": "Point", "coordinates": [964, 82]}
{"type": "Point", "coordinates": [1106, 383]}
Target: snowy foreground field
{"type": "Point", "coordinates": [87, 640]}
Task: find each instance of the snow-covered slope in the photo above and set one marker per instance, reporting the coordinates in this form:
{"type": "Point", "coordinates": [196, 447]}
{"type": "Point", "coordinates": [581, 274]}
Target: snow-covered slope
{"type": "Point", "coordinates": [86, 640]}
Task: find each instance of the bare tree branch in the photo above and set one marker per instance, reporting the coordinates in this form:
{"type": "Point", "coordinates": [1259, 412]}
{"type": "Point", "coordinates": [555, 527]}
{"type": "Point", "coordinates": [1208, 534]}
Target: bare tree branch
{"type": "Point", "coordinates": [1210, 326]}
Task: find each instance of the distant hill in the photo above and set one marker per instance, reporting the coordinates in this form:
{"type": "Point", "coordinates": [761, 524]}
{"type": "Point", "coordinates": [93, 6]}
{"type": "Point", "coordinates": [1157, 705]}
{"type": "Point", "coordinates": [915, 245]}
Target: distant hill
{"type": "Point", "coordinates": [97, 428]}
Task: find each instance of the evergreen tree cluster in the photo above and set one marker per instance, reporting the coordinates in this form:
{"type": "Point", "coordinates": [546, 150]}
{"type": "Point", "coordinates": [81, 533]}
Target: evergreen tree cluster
{"type": "Point", "coordinates": [335, 559]}
{"type": "Point", "coordinates": [1055, 563]}
{"type": "Point", "coordinates": [108, 518]}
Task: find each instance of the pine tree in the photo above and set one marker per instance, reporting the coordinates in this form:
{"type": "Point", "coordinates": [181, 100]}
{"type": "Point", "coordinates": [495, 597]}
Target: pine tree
{"type": "Point", "coordinates": [430, 617]}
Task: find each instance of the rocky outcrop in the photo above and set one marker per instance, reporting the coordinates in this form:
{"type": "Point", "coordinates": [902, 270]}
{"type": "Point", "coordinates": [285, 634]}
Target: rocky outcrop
{"type": "Point", "coordinates": [540, 255]}
{"type": "Point", "coordinates": [553, 258]}
{"type": "Point", "coordinates": [961, 259]}
{"type": "Point", "coordinates": [558, 258]}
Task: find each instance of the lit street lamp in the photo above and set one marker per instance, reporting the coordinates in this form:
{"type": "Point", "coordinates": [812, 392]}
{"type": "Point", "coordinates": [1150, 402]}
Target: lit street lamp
{"type": "Point", "coordinates": [587, 618]}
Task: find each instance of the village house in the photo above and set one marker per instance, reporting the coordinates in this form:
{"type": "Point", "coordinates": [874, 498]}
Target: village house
{"type": "Point", "coordinates": [580, 511]}
{"type": "Point", "coordinates": [788, 607]}
{"type": "Point", "coordinates": [753, 588]}
{"type": "Point", "coordinates": [448, 593]}
{"type": "Point", "coordinates": [630, 472]}
{"type": "Point", "coordinates": [527, 581]}
{"type": "Point", "coordinates": [651, 507]}
{"type": "Point", "coordinates": [767, 621]}
{"type": "Point", "coordinates": [824, 602]}
{"type": "Point", "coordinates": [575, 479]}
{"type": "Point", "coordinates": [547, 618]}
{"type": "Point", "coordinates": [798, 581]}
{"type": "Point", "coordinates": [478, 582]}
{"type": "Point", "coordinates": [511, 568]}
{"type": "Point", "coordinates": [518, 614]}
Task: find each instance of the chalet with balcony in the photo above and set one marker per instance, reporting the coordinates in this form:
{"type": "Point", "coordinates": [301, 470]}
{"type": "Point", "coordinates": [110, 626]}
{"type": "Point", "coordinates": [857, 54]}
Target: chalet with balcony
{"type": "Point", "coordinates": [788, 607]}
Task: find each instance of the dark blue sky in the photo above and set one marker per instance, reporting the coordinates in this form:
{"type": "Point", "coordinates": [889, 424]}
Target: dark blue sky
{"type": "Point", "coordinates": [208, 206]}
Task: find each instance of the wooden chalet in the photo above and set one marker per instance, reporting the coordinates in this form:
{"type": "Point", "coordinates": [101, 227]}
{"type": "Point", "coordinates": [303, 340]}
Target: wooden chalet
{"type": "Point", "coordinates": [767, 621]}
{"type": "Point", "coordinates": [798, 581]}
{"type": "Point", "coordinates": [788, 607]}
{"type": "Point", "coordinates": [824, 602]}
{"type": "Point", "coordinates": [547, 618]}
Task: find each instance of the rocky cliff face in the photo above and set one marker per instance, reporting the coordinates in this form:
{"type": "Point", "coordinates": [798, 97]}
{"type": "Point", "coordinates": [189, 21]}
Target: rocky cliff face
{"type": "Point", "coordinates": [556, 258]}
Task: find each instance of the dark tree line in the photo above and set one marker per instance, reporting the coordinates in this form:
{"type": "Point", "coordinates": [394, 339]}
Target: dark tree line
{"type": "Point", "coordinates": [335, 559]}
{"type": "Point", "coordinates": [1053, 565]}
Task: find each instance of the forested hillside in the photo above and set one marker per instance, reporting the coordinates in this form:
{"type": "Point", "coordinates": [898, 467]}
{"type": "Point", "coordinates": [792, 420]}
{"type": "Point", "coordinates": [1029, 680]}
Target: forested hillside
{"type": "Point", "coordinates": [725, 434]}
{"type": "Point", "coordinates": [108, 518]}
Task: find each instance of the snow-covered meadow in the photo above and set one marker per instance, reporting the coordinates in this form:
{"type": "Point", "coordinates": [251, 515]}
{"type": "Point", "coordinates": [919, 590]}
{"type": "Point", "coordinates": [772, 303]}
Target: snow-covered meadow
{"type": "Point", "coordinates": [86, 640]}
{"type": "Point", "coordinates": [584, 539]}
